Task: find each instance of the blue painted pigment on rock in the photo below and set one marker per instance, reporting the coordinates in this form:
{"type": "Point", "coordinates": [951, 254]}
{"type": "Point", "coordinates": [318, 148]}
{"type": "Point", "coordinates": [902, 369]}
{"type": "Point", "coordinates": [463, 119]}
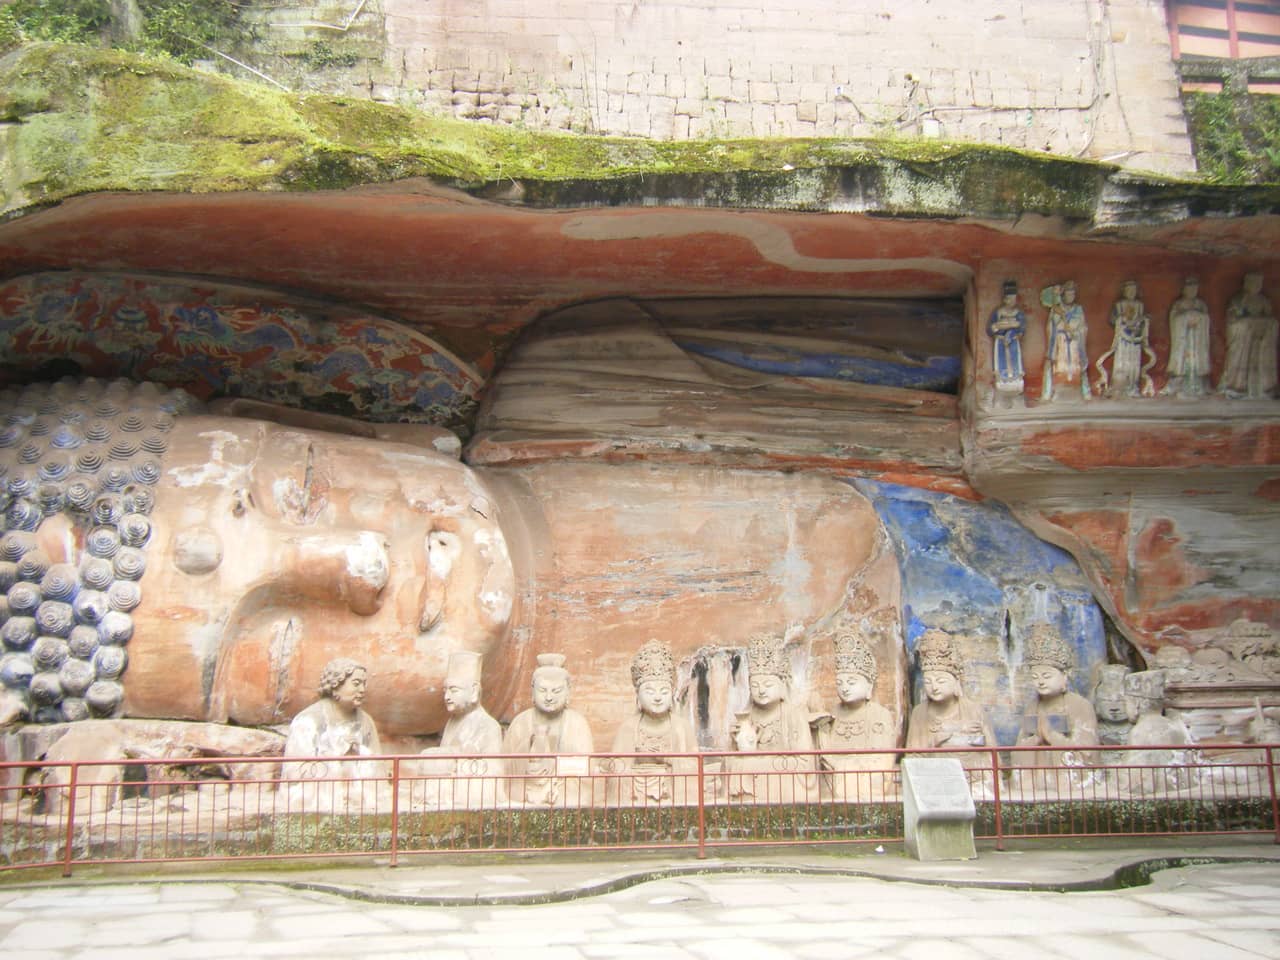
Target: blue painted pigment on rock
{"type": "Point", "coordinates": [972, 569]}
{"type": "Point", "coordinates": [936, 374]}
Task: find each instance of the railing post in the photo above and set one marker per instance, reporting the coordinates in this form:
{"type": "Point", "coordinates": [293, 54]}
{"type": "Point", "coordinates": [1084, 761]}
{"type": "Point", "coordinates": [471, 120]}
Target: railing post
{"type": "Point", "coordinates": [395, 810]}
{"type": "Point", "coordinates": [995, 787]}
{"type": "Point", "coordinates": [71, 820]}
{"type": "Point", "coordinates": [1271, 781]}
{"type": "Point", "coordinates": [702, 810]}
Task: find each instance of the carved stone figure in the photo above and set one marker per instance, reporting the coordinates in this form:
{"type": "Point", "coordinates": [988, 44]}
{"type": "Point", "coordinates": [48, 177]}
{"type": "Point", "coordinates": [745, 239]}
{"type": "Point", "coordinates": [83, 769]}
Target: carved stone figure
{"type": "Point", "coordinates": [856, 723]}
{"type": "Point", "coordinates": [547, 729]}
{"type": "Point", "coordinates": [1254, 644]}
{"type": "Point", "coordinates": [1250, 367]}
{"type": "Point", "coordinates": [1155, 771]}
{"type": "Point", "coordinates": [1066, 360]}
{"type": "Point", "coordinates": [1131, 355]}
{"type": "Point", "coordinates": [1006, 327]}
{"type": "Point", "coordinates": [1189, 324]}
{"type": "Point", "coordinates": [1112, 710]}
{"type": "Point", "coordinates": [656, 729]}
{"type": "Point", "coordinates": [334, 726]}
{"type": "Point", "coordinates": [1062, 718]}
{"type": "Point", "coordinates": [945, 718]}
{"type": "Point", "coordinates": [284, 548]}
{"type": "Point", "coordinates": [773, 722]}
{"type": "Point", "coordinates": [471, 731]}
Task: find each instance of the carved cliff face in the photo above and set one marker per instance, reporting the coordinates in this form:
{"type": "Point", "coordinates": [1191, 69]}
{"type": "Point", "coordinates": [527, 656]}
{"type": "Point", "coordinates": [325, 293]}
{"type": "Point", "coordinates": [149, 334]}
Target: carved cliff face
{"type": "Point", "coordinates": [282, 548]}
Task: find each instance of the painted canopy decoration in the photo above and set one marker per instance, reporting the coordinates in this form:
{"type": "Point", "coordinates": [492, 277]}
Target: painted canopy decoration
{"type": "Point", "coordinates": [221, 340]}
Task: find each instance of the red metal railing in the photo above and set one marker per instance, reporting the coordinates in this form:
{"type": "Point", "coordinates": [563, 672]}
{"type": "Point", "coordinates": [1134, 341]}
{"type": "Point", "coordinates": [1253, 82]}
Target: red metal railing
{"type": "Point", "coordinates": [141, 811]}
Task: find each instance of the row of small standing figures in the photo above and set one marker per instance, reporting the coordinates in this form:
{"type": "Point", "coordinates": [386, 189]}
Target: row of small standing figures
{"type": "Point", "coordinates": [1249, 370]}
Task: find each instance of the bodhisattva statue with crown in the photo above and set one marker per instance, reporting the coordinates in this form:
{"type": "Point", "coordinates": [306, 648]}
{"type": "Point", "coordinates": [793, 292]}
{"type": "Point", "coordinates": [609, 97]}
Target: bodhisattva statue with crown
{"type": "Point", "coordinates": [1061, 718]}
{"type": "Point", "coordinates": [656, 730]}
{"type": "Point", "coordinates": [945, 718]}
{"type": "Point", "coordinates": [772, 722]}
{"type": "Point", "coordinates": [547, 729]}
{"type": "Point", "coordinates": [856, 723]}
{"type": "Point", "coordinates": [471, 736]}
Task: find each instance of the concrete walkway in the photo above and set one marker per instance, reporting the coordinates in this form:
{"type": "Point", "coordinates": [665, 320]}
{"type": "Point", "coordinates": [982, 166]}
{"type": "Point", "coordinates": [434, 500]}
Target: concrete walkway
{"type": "Point", "coordinates": [814, 904]}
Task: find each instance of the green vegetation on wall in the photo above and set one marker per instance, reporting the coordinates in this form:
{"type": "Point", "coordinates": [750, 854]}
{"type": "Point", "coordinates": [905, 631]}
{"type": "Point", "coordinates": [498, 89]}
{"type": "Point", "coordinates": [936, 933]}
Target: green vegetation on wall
{"type": "Point", "coordinates": [186, 29]}
{"type": "Point", "coordinates": [181, 29]}
{"type": "Point", "coordinates": [1236, 138]}
{"type": "Point", "coordinates": [65, 21]}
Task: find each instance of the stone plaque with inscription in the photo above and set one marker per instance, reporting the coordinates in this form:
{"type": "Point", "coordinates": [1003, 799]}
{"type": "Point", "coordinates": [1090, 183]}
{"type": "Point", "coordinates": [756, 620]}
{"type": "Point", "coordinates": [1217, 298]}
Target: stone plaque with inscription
{"type": "Point", "coordinates": [938, 809]}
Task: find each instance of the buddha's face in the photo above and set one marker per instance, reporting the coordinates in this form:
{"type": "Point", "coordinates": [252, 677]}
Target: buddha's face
{"type": "Point", "coordinates": [940, 686]}
{"type": "Point", "coordinates": [1068, 295]}
{"type": "Point", "coordinates": [766, 690]}
{"type": "Point", "coordinates": [283, 548]}
{"type": "Point", "coordinates": [350, 693]}
{"type": "Point", "coordinates": [460, 696]}
{"type": "Point", "coordinates": [1049, 681]}
{"type": "Point", "coordinates": [852, 687]}
{"type": "Point", "coordinates": [654, 697]}
{"type": "Point", "coordinates": [1129, 291]}
{"type": "Point", "coordinates": [550, 692]}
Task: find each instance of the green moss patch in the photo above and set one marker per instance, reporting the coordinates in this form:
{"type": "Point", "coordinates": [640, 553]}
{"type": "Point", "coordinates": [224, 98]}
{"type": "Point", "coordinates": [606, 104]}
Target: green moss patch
{"type": "Point", "coordinates": [78, 119]}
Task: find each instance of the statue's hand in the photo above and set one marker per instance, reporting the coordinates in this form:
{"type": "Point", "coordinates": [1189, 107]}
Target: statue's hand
{"type": "Point", "coordinates": [745, 737]}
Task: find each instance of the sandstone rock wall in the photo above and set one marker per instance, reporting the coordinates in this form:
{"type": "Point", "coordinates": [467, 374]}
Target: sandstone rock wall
{"type": "Point", "coordinates": [1083, 78]}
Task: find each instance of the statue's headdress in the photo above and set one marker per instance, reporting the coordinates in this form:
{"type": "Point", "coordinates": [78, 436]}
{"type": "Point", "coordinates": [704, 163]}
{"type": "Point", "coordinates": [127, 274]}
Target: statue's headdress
{"type": "Point", "coordinates": [936, 650]}
{"type": "Point", "coordinates": [854, 656]}
{"type": "Point", "coordinates": [464, 667]}
{"type": "Point", "coordinates": [551, 663]}
{"type": "Point", "coordinates": [1110, 681]}
{"type": "Point", "coordinates": [1046, 646]}
{"type": "Point", "coordinates": [653, 661]}
{"type": "Point", "coordinates": [767, 655]}
{"type": "Point", "coordinates": [1147, 684]}
{"type": "Point", "coordinates": [1009, 287]}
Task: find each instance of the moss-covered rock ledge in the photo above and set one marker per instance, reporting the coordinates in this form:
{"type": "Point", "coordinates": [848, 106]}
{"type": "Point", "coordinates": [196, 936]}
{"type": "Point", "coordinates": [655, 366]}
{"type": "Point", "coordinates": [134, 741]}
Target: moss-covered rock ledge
{"type": "Point", "coordinates": [77, 119]}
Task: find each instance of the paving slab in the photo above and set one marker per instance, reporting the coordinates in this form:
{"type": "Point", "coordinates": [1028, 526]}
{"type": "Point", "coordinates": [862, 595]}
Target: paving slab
{"type": "Point", "coordinates": [1207, 900]}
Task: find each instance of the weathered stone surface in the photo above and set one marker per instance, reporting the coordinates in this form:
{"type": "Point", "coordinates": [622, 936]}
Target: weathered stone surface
{"type": "Point", "coordinates": [1166, 502]}
{"type": "Point", "coordinates": [703, 558]}
{"type": "Point", "coordinates": [607, 381]}
{"type": "Point", "coordinates": [973, 570]}
{"type": "Point", "coordinates": [134, 739]}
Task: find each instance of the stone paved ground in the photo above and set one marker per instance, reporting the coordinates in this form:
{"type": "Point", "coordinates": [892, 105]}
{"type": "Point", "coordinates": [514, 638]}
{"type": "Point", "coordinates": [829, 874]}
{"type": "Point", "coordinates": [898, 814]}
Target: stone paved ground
{"type": "Point", "coordinates": [1217, 912]}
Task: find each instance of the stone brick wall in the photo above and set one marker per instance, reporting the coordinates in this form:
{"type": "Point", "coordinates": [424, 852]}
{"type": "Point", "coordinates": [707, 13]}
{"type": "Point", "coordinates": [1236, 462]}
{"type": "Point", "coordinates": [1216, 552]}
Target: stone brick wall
{"type": "Point", "coordinates": [1076, 77]}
